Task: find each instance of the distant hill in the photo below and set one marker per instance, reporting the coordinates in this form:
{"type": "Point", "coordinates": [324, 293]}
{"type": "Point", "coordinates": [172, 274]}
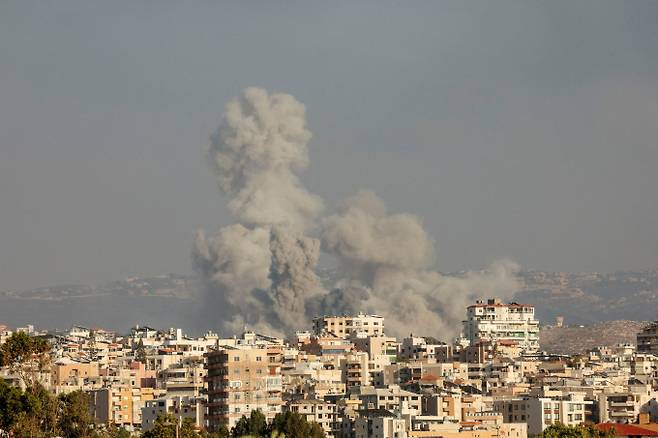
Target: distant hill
{"type": "Point", "coordinates": [171, 300]}
{"type": "Point", "coordinates": [579, 339]}
{"type": "Point", "coordinates": [586, 298]}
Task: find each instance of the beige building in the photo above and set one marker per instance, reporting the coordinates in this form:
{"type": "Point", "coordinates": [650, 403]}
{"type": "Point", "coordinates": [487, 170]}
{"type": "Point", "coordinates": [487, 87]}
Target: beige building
{"type": "Point", "coordinates": [319, 411]}
{"type": "Point", "coordinates": [120, 405]}
{"type": "Point", "coordinates": [349, 326]}
{"type": "Point", "coordinates": [380, 424]}
{"type": "Point", "coordinates": [240, 381]}
{"type": "Point", "coordinates": [69, 375]}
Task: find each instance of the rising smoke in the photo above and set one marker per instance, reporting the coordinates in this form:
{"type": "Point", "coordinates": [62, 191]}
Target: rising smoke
{"type": "Point", "coordinates": [261, 272]}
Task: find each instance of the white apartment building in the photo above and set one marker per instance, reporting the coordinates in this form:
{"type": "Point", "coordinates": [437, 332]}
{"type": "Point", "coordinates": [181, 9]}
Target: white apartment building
{"type": "Point", "coordinates": [496, 322]}
{"type": "Point", "coordinates": [541, 412]}
{"type": "Point", "coordinates": [347, 327]}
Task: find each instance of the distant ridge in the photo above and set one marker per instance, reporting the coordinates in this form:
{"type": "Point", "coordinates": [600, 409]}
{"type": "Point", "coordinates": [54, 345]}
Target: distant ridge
{"type": "Point", "coordinates": [579, 339]}
{"type": "Point", "coordinates": [171, 300]}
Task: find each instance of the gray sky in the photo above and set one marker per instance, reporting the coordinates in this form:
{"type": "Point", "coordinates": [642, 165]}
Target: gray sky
{"type": "Point", "coordinates": [518, 129]}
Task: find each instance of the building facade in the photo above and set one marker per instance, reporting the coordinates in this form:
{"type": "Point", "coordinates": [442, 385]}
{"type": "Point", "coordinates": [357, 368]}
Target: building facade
{"type": "Point", "coordinates": [494, 321]}
{"type": "Point", "coordinates": [349, 326]}
{"type": "Point", "coordinates": [241, 380]}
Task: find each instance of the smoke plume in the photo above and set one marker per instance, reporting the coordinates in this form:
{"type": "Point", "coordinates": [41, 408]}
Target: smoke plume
{"type": "Point", "coordinates": [386, 259]}
{"type": "Point", "coordinates": [261, 272]}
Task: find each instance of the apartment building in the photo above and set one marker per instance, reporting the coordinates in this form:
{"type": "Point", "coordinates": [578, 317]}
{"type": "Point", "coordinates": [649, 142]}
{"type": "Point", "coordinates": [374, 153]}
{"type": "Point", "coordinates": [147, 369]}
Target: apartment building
{"type": "Point", "coordinates": [349, 326]}
{"type": "Point", "coordinates": [119, 405]}
{"type": "Point", "coordinates": [509, 323]}
{"type": "Point", "coordinates": [379, 423]}
{"type": "Point", "coordinates": [319, 411]}
{"type": "Point", "coordinates": [69, 375]}
{"type": "Point", "coordinates": [647, 339]}
{"type": "Point", "coordinates": [541, 412]}
{"type": "Point", "coordinates": [626, 406]}
{"type": "Point", "coordinates": [241, 380]}
{"type": "Point", "coordinates": [180, 408]}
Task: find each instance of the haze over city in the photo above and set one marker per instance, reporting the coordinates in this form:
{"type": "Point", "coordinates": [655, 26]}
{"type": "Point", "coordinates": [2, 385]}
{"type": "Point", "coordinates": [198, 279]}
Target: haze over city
{"type": "Point", "coordinates": [512, 130]}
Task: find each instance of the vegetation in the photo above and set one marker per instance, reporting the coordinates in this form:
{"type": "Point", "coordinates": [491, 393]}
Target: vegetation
{"type": "Point", "coordinates": [36, 413]}
{"type": "Point", "coordinates": [26, 356]}
{"type": "Point", "coordinates": [284, 425]}
{"type": "Point", "coordinates": [562, 431]}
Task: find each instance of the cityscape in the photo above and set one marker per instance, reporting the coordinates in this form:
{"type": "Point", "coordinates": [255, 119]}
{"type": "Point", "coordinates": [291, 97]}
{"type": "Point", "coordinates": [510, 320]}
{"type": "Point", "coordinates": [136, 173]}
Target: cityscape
{"type": "Point", "coordinates": [348, 377]}
{"type": "Point", "coordinates": [370, 219]}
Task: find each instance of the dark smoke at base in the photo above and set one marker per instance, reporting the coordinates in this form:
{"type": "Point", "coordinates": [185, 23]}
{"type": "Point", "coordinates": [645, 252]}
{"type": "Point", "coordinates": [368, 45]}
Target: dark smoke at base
{"type": "Point", "coordinates": [261, 272]}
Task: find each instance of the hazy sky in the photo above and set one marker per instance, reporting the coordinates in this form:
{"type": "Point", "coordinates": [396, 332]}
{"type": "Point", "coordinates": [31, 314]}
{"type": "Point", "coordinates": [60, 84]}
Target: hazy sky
{"type": "Point", "coordinates": [520, 129]}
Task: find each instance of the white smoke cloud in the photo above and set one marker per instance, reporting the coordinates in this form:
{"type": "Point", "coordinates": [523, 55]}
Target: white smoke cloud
{"type": "Point", "coordinates": [261, 271]}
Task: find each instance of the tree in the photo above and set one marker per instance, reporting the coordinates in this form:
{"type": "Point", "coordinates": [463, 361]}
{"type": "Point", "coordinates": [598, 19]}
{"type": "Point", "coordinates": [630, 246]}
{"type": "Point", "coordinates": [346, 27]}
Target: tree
{"type": "Point", "coordinates": [75, 418]}
{"type": "Point", "coordinates": [26, 356]}
{"type": "Point", "coordinates": [165, 426]}
{"type": "Point", "coordinates": [254, 426]}
{"type": "Point", "coordinates": [11, 405]}
{"type": "Point", "coordinates": [140, 352]}
{"type": "Point", "coordinates": [581, 431]}
{"type": "Point", "coordinates": [38, 417]}
{"type": "Point", "coordinates": [294, 425]}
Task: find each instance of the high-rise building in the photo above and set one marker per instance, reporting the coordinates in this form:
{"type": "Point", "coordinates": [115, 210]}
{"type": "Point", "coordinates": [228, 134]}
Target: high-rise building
{"type": "Point", "coordinates": [494, 321]}
{"type": "Point", "coordinates": [241, 380]}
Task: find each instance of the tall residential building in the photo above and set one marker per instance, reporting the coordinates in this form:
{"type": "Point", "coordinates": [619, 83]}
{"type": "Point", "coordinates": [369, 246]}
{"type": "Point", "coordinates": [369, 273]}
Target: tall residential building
{"type": "Point", "coordinates": [647, 339]}
{"type": "Point", "coordinates": [349, 326]}
{"type": "Point", "coordinates": [241, 380]}
{"type": "Point", "coordinates": [495, 321]}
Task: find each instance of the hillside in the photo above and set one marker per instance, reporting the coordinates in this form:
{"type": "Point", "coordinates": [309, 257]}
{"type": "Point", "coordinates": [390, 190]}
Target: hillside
{"type": "Point", "coordinates": [578, 339]}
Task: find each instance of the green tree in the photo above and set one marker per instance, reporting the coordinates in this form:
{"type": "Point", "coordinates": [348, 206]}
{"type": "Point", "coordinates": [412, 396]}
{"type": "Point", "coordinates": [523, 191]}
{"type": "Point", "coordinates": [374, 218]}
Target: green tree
{"type": "Point", "coordinates": [165, 426]}
{"type": "Point", "coordinates": [75, 417]}
{"type": "Point", "coordinates": [223, 432]}
{"type": "Point", "coordinates": [27, 356]}
{"type": "Point", "coordinates": [294, 425]}
{"type": "Point", "coordinates": [581, 431]}
{"type": "Point", "coordinates": [39, 414]}
{"type": "Point", "coordinates": [11, 405]}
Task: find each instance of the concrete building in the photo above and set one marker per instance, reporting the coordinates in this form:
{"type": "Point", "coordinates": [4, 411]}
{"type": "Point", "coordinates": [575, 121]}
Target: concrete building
{"type": "Point", "coordinates": [241, 380]}
{"type": "Point", "coordinates": [647, 339]}
{"type": "Point", "coordinates": [379, 423]}
{"type": "Point", "coordinates": [119, 405]}
{"type": "Point", "coordinates": [69, 375]}
{"type": "Point", "coordinates": [541, 412]}
{"type": "Point", "coordinates": [495, 321]}
{"type": "Point", "coordinates": [349, 326]}
{"type": "Point", "coordinates": [625, 407]}
{"type": "Point", "coordinates": [319, 411]}
{"type": "Point", "coordinates": [180, 408]}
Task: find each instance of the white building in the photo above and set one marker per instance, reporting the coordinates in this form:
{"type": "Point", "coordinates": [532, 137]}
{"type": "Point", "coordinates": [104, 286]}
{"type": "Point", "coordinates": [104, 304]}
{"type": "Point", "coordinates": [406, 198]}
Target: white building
{"type": "Point", "coordinates": [495, 321]}
{"type": "Point", "coordinates": [541, 412]}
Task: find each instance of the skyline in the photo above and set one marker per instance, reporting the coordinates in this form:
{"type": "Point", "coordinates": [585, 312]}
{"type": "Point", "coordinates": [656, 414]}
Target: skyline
{"type": "Point", "coordinates": [529, 138]}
